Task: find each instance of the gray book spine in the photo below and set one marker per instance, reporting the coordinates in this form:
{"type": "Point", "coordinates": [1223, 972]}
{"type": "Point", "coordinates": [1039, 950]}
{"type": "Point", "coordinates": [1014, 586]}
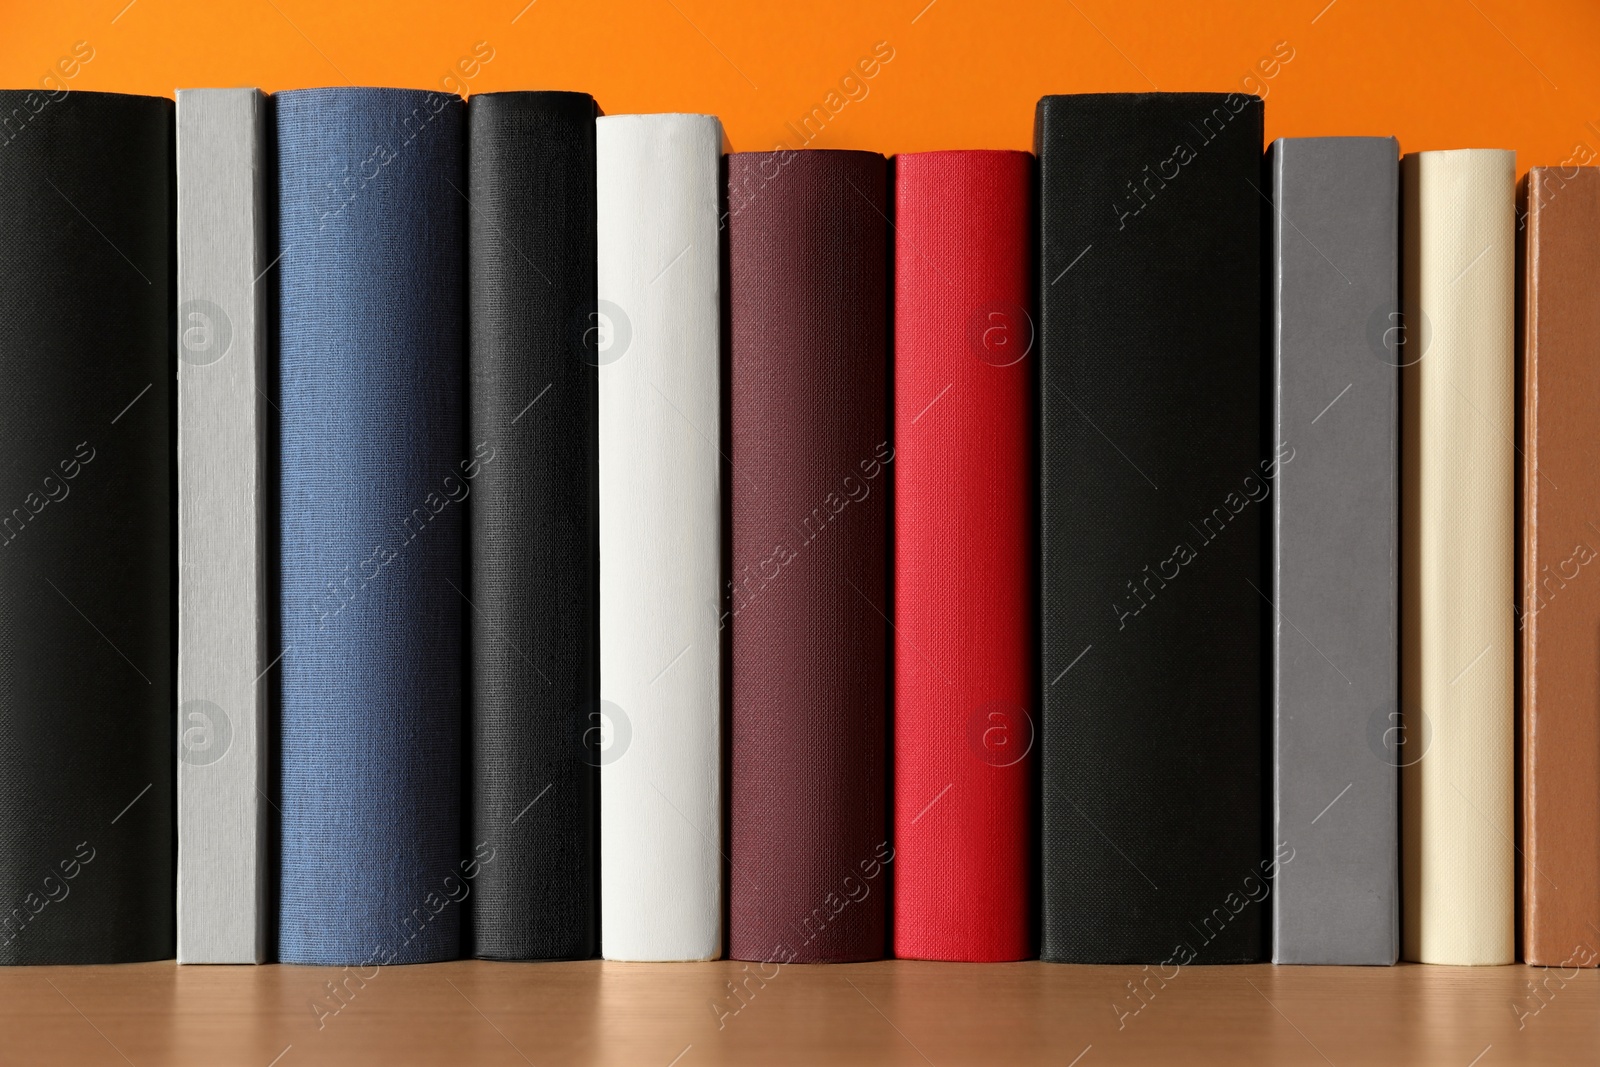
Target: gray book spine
{"type": "Point", "coordinates": [1336, 329]}
{"type": "Point", "coordinates": [222, 621]}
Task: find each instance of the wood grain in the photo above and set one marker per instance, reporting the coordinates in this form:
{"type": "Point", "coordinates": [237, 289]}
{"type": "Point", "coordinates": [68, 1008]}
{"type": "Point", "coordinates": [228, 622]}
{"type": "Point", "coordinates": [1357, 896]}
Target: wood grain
{"type": "Point", "coordinates": [894, 1012]}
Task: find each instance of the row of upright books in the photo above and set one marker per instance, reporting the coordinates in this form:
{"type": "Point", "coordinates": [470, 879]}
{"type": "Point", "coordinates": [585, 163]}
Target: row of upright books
{"type": "Point", "coordinates": [565, 537]}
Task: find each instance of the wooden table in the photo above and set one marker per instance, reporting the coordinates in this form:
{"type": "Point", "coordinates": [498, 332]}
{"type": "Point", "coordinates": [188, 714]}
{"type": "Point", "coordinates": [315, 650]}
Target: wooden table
{"type": "Point", "coordinates": [895, 1012]}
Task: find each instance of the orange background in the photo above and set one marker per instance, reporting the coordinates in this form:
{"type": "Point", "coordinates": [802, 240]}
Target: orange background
{"type": "Point", "coordinates": [1522, 74]}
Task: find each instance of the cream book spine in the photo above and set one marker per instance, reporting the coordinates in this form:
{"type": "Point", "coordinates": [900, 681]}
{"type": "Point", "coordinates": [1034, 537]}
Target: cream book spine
{"type": "Point", "coordinates": [1458, 545]}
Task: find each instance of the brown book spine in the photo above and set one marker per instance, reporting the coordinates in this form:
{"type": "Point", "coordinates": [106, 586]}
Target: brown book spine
{"type": "Point", "coordinates": [1558, 610]}
{"type": "Point", "coordinates": [808, 605]}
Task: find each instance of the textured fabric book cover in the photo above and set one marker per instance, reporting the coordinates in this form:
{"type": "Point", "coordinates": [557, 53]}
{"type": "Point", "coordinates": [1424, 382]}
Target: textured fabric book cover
{"type": "Point", "coordinates": [808, 596]}
{"type": "Point", "coordinates": [223, 631]}
{"type": "Point", "coordinates": [1458, 542]}
{"type": "Point", "coordinates": [1558, 620]}
{"type": "Point", "coordinates": [1154, 474]}
{"type": "Point", "coordinates": [659, 360]}
{"type": "Point", "coordinates": [1335, 567]}
{"type": "Point", "coordinates": [375, 473]}
{"type": "Point", "coordinates": [964, 709]}
{"type": "Point", "coordinates": [86, 595]}
{"type": "Point", "coordinates": [532, 623]}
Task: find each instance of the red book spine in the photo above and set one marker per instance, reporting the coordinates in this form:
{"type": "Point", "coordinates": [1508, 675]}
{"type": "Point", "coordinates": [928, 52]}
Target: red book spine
{"type": "Point", "coordinates": [964, 635]}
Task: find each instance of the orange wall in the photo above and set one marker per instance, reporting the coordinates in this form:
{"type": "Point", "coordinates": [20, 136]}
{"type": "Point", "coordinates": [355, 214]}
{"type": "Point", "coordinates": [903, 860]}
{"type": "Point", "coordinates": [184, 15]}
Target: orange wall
{"type": "Point", "coordinates": [1521, 74]}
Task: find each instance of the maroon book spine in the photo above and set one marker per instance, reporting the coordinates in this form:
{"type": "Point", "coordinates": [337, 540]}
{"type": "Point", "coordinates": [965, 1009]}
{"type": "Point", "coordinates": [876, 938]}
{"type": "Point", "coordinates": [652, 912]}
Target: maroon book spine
{"type": "Point", "coordinates": [808, 595]}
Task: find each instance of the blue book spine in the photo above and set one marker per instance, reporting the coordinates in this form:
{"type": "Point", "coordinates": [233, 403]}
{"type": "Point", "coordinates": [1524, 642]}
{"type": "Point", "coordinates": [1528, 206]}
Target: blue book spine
{"type": "Point", "coordinates": [372, 483]}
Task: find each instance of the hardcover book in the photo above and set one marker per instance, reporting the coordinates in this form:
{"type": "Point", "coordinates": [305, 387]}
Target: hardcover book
{"type": "Point", "coordinates": [223, 624]}
{"type": "Point", "coordinates": [1558, 600]}
{"type": "Point", "coordinates": [964, 710]}
{"type": "Point", "coordinates": [808, 597]}
{"type": "Point", "coordinates": [86, 545]}
{"type": "Point", "coordinates": [658, 348]}
{"type": "Point", "coordinates": [374, 475]}
{"type": "Point", "coordinates": [1458, 525]}
{"type": "Point", "coordinates": [532, 625]}
{"type": "Point", "coordinates": [1155, 476]}
{"type": "Point", "coordinates": [1336, 327]}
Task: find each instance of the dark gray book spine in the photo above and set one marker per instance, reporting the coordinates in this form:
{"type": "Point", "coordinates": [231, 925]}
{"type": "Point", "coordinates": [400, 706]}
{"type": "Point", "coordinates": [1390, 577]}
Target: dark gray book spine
{"type": "Point", "coordinates": [1335, 568]}
{"type": "Point", "coordinates": [533, 621]}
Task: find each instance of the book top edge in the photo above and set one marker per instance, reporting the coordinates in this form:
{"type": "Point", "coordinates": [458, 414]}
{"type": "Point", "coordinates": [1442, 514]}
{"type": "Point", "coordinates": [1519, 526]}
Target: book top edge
{"type": "Point", "coordinates": [660, 116]}
{"type": "Point", "coordinates": [1447, 153]}
{"type": "Point", "coordinates": [1140, 97]}
{"type": "Point", "coordinates": [1551, 168]}
{"type": "Point", "coordinates": [236, 90]}
{"type": "Point", "coordinates": [1343, 139]}
{"type": "Point", "coordinates": [815, 153]}
{"type": "Point", "coordinates": [91, 94]}
{"type": "Point", "coordinates": [362, 91]}
{"type": "Point", "coordinates": [533, 95]}
{"type": "Point", "coordinates": [959, 153]}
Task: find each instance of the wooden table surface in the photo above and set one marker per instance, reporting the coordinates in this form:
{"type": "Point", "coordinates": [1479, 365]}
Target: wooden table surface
{"type": "Point", "coordinates": [894, 1012]}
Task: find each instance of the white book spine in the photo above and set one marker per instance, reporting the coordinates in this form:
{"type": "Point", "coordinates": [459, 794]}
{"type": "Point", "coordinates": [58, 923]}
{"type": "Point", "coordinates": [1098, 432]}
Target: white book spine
{"type": "Point", "coordinates": [222, 624]}
{"type": "Point", "coordinates": [660, 536]}
{"type": "Point", "coordinates": [1458, 541]}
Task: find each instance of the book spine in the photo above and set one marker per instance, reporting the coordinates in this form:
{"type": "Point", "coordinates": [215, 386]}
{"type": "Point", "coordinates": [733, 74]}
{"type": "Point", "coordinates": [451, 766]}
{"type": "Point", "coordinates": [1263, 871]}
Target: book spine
{"type": "Point", "coordinates": [963, 477]}
{"type": "Point", "coordinates": [223, 631]}
{"type": "Point", "coordinates": [86, 535]}
{"type": "Point", "coordinates": [1154, 472]}
{"type": "Point", "coordinates": [532, 622]}
{"type": "Point", "coordinates": [1558, 612]}
{"type": "Point", "coordinates": [808, 595]}
{"type": "Point", "coordinates": [658, 348]}
{"type": "Point", "coordinates": [1335, 566]}
{"type": "Point", "coordinates": [1458, 530]}
{"type": "Point", "coordinates": [374, 472]}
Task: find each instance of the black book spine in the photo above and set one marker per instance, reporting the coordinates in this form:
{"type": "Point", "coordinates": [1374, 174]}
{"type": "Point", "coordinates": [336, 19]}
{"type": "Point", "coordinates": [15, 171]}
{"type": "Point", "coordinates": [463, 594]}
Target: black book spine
{"type": "Point", "coordinates": [532, 516]}
{"type": "Point", "coordinates": [1154, 498]}
{"type": "Point", "coordinates": [87, 740]}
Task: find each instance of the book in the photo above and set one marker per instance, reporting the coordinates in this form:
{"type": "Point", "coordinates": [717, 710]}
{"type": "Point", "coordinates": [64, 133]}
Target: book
{"type": "Point", "coordinates": [1154, 476]}
{"type": "Point", "coordinates": [657, 344]}
{"type": "Point", "coordinates": [1458, 542]}
{"type": "Point", "coordinates": [1335, 269]}
{"type": "Point", "coordinates": [964, 707]}
{"type": "Point", "coordinates": [223, 623]}
{"type": "Point", "coordinates": [375, 469]}
{"type": "Point", "coordinates": [1558, 602]}
{"type": "Point", "coordinates": [86, 545]}
{"type": "Point", "coordinates": [808, 596]}
{"type": "Point", "coordinates": [532, 622]}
